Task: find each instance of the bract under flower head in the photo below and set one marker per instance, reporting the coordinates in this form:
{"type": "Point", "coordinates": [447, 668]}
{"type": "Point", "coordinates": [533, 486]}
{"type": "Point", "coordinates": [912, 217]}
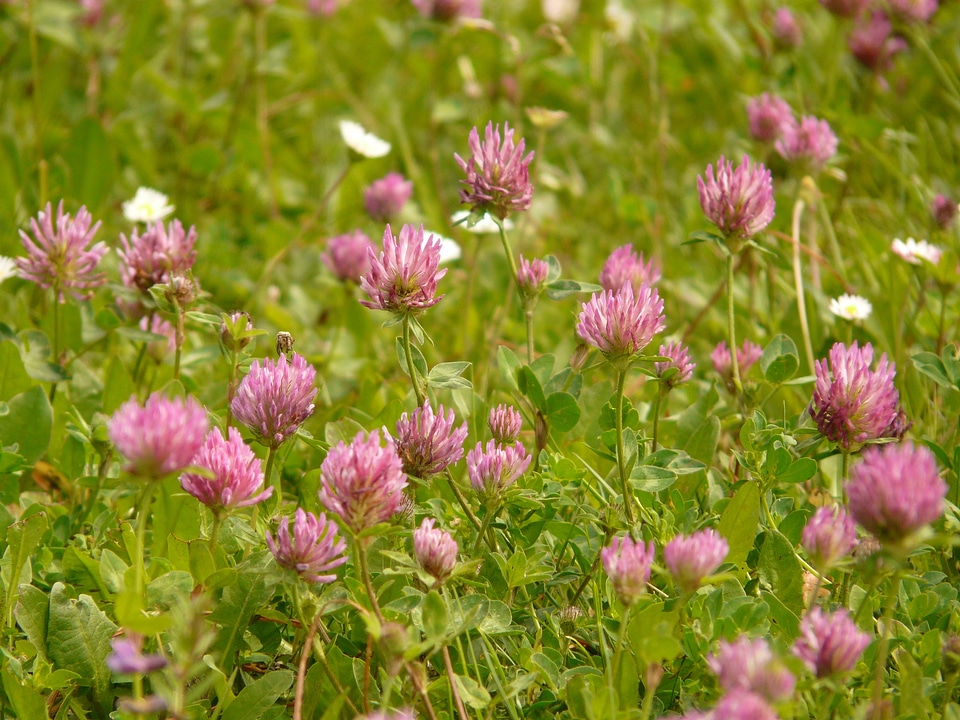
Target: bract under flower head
{"type": "Point", "coordinates": [312, 550]}
{"type": "Point", "coordinates": [498, 174]}
{"type": "Point", "coordinates": [147, 206]}
{"type": "Point", "coordinates": [691, 559]}
{"type": "Point", "coordinates": [769, 117]}
{"type": "Point", "coordinates": [915, 252]}
{"type": "Point", "coordinates": [852, 403]}
{"type": "Point", "coordinates": [494, 467]}
{"type": "Point", "coordinates": [626, 267]}
{"type": "Point", "coordinates": [403, 279]}
{"type": "Point", "coordinates": [435, 549]}
{"type": "Point", "coordinates": [811, 143]}
{"type": "Point", "coordinates": [427, 442]}
{"type": "Point", "coordinates": [750, 665]}
{"type": "Point", "coordinates": [275, 398]}
{"type": "Point", "coordinates": [58, 255]}
{"type": "Point", "coordinates": [362, 482]}
{"type": "Point", "coordinates": [851, 307]}
{"type": "Point", "coordinates": [621, 323]}
{"type": "Point", "coordinates": [160, 437]}
{"type": "Point", "coordinates": [829, 643]}
{"type": "Point", "coordinates": [233, 474]}
{"type": "Point", "coordinates": [627, 564]}
{"type": "Point", "coordinates": [156, 256]}
{"type": "Point", "coordinates": [348, 255]}
{"type": "Point", "coordinates": [361, 142]}
{"type": "Point", "coordinates": [738, 201]}
{"type": "Point", "coordinates": [895, 491]}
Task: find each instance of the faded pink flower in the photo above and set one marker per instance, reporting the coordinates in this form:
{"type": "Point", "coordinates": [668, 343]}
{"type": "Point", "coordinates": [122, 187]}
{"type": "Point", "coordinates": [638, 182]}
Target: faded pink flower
{"type": "Point", "coordinates": [157, 255]}
{"type": "Point", "coordinates": [531, 276]}
{"type": "Point", "coordinates": [846, 8]}
{"type": "Point", "coordinates": [447, 10]}
{"type": "Point", "coordinates": [385, 197]}
{"type": "Point", "coordinates": [627, 564]}
{"type": "Point", "coordinates": [829, 536]}
{"type": "Point", "coordinates": [679, 355]}
{"type": "Point", "coordinates": [275, 398]}
{"type": "Point", "coordinates": [498, 175]}
{"type": "Point", "coordinates": [362, 482]}
{"type": "Point", "coordinates": [750, 665]}
{"type": "Point", "coordinates": [233, 475]}
{"type": "Point", "coordinates": [625, 267]}
{"type": "Point", "coordinates": [155, 324]}
{"type": "Point", "coordinates": [829, 643]}
{"type": "Point", "coordinates": [314, 548]}
{"type": "Point", "coordinates": [621, 324]}
{"type": "Point", "coordinates": [738, 201]}
{"type": "Point", "coordinates": [873, 43]}
{"type": "Point", "coordinates": [427, 442]}
{"type": "Point", "coordinates": [160, 437]}
{"type": "Point", "coordinates": [811, 142]}
{"type": "Point", "coordinates": [769, 117]}
{"type": "Point", "coordinates": [495, 467]}
{"type": "Point", "coordinates": [348, 255]}
{"type": "Point", "coordinates": [691, 559]}
{"type": "Point", "coordinates": [323, 8]}
{"type": "Point", "coordinates": [913, 10]}
{"type": "Point", "coordinates": [58, 255]}
{"type": "Point", "coordinates": [435, 549]}
{"type": "Point", "coordinates": [786, 29]}
{"type": "Point", "coordinates": [944, 210]}
{"type": "Point", "coordinates": [92, 12]}
{"type": "Point", "coordinates": [404, 278]}
{"type": "Point", "coordinates": [505, 422]}
{"type": "Point", "coordinates": [747, 356]}
{"type": "Point", "coordinates": [742, 705]}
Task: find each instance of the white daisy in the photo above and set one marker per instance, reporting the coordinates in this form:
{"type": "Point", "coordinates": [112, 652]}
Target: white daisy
{"type": "Point", "coordinates": [851, 307]}
{"type": "Point", "coordinates": [913, 252]}
{"type": "Point", "coordinates": [484, 226]}
{"type": "Point", "coordinates": [361, 142]}
{"type": "Point", "coordinates": [148, 205]}
{"type": "Point", "coordinates": [8, 268]}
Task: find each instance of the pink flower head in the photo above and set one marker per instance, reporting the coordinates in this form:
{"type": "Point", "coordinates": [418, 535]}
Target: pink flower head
{"type": "Point", "coordinates": [232, 477]}
{"type": "Point", "coordinates": [829, 643]}
{"type": "Point", "coordinates": [160, 437]}
{"type": "Point", "coordinates": [313, 549]}
{"type": "Point", "coordinates": [769, 117]}
{"type": "Point", "coordinates": [323, 8]}
{"type": "Point", "coordinates": [495, 467]}
{"type": "Point", "coordinates": [127, 657]}
{"type": "Point", "coordinates": [873, 43]}
{"type": "Point", "coordinates": [498, 175]}
{"type": "Point", "coordinates": [427, 442]}
{"type": "Point", "coordinates": [913, 10]}
{"type": "Point", "coordinates": [158, 326]}
{"type": "Point", "coordinates": [362, 482]}
{"type": "Point", "coordinates": [435, 549]}
{"type": "Point", "coordinates": [92, 12]}
{"type": "Point", "coordinates": [944, 210]}
{"type": "Point", "coordinates": [505, 422]}
{"type": "Point", "coordinates": [852, 403]}
{"type": "Point", "coordinates": [621, 323]}
{"type": "Point", "coordinates": [625, 267]}
{"type": "Point", "coordinates": [828, 536]}
{"type": "Point", "coordinates": [751, 666]}
{"type": "Point", "coordinates": [846, 8]}
{"type": "Point", "coordinates": [738, 201]}
{"type": "Point", "coordinates": [58, 256]}
{"type": "Point", "coordinates": [742, 705]}
{"type": "Point", "coordinates": [157, 255]}
{"type": "Point", "coordinates": [786, 29]}
{"type": "Point", "coordinates": [691, 559]}
{"type": "Point", "coordinates": [275, 398]}
{"type": "Point", "coordinates": [895, 490]}
{"type": "Point", "coordinates": [387, 196]}
{"type": "Point", "coordinates": [348, 255]}
{"type": "Point", "coordinates": [531, 276]}
{"type": "Point", "coordinates": [448, 10]}
{"type": "Point", "coordinates": [679, 355]}
{"type": "Point", "coordinates": [627, 564]}
{"type": "Point", "coordinates": [404, 278]}
{"type": "Point", "coordinates": [747, 356]}
{"type": "Point", "coordinates": [810, 142]}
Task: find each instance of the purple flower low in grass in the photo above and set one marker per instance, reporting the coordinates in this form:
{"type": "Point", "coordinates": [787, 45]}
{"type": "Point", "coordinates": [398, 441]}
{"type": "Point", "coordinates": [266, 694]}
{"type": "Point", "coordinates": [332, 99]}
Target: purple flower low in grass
{"type": "Point", "coordinates": [498, 174]}
{"type": "Point", "coordinates": [233, 474]}
{"type": "Point", "coordinates": [747, 356]}
{"type": "Point", "coordinates": [829, 643]}
{"type": "Point", "coordinates": [435, 549]}
{"type": "Point", "coordinates": [851, 402]}
{"type": "Point", "coordinates": [348, 255]}
{"type": "Point", "coordinates": [531, 276]}
{"type": "Point", "coordinates": [919, 11]}
{"type": "Point", "coordinates": [680, 359]}
{"type": "Point", "coordinates": [786, 29]}
{"type": "Point", "coordinates": [750, 665]}
{"type": "Point", "coordinates": [160, 437]}
{"type": "Point", "coordinates": [505, 422]}
{"type": "Point", "coordinates": [362, 482]}
{"type": "Point", "coordinates": [621, 323]}
{"type": "Point", "coordinates": [846, 8]}
{"type": "Point", "coordinates": [427, 442]}
{"type": "Point", "coordinates": [312, 550]}
{"type": "Point", "coordinates": [691, 558]}
{"type": "Point", "coordinates": [127, 657]}
{"type": "Point", "coordinates": [944, 210]}
{"type": "Point", "coordinates": [385, 198]}
{"type": "Point", "coordinates": [448, 10]}
{"type": "Point", "coordinates": [275, 398]}
{"type": "Point", "coordinates": [873, 43]}
{"type": "Point", "coordinates": [59, 255]}
{"type": "Point", "coordinates": [829, 536]}
{"type": "Point", "coordinates": [742, 705]}
{"type": "Point", "coordinates": [403, 279]}
{"type": "Point", "coordinates": [627, 564]}
{"type": "Point", "coordinates": [494, 467]}
{"type": "Point", "coordinates": [626, 267]}
{"type": "Point", "coordinates": [769, 117]}
{"type": "Point", "coordinates": [739, 201]}
{"type": "Point", "coordinates": [810, 142]}
{"type": "Point", "coordinates": [895, 490]}
{"type": "Point", "coordinates": [157, 255]}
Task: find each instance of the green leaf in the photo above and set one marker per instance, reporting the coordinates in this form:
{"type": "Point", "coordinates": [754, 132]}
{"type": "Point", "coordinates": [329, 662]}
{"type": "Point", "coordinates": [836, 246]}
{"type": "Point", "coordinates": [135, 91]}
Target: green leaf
{"type": "Point", "coordinates": [738, 524]}
{"type": "Point", "coordinates": [650, 478]}
{"type": "Point", "coordinates": [26, 701]}
{"type": "Point", "coordinates": [240, 602]}
{"type": "Point", "coordinates": [27, 421]}
{"type": "Point", "coordinates": [23, 537]}
{"type": "Point", "coordinates": [784, 617]}
{"type": "Point", "coordinates": [780, 359]}
{"type": "Point", "coordinates": [32, 611]}
{"type": "Point", "coordinates": [509, 365]}
{"type": "Point", "coordinates": [168, 588]}
{"type": "Point", "coordinates": [419, 362]}
{"type": "Point", "coordinates": [699, 236]}
{"type": "Point", "coordinates": [933, 367]}
{"type": "Point", "coordinates": [259, 696]}
{"type": "Point", "coordinates": [83, 635]}
{"type": "Point", "coordinates": [779, 569]}
{"type": "Point", "coordinates": [529, 385]}
{"type": "Point", "coordinates": [447, 375]}
{"type": "Point", "coordinates": [652, 634]}
{"type": "Point", "coordinates": [13, 376]}
{"type": "Point", "coordinates": [89, 156]}
{"type": "Point", "coordinates": [559, 289]}
{"type": "Point", "coordinates": [435, 617]}
{"type": "Point", "coordinates": [911, 698]}
{"type": "Point", "coordinates": [563, 411]}
{"type": "Point", "coordinates": [800, 470]}
{"type": "Point", "coordinates": [698, 431]}
{"type": "Point", "coordinates": [473, 694]}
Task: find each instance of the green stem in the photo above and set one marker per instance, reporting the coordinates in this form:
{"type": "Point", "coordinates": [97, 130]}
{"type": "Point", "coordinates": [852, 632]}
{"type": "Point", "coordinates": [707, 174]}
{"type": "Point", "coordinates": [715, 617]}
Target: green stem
{"type": "Point", "coordinates": [509, 253]}
{"type": "Point", "coordinates": [263, 117]}
{"type": "Point", "coordinates": [617, 652]}
{"type": "Point", "coordinates": [732, 327]}
{"type": "Point", "coordinates": [462, 500]}
{"type": "Point", "coordinates": [365, 572]}
{"type": "Point", "coordinates": [411, 368]}
{"type": "Point", "coordinates": [268, 475]}
{"type": "Point", "coordinates": [656, 414]}
{"type": "Point", "coordinates": [487, 519]}
{"type": "Point", "coordinates": [798, 283]}
{"type": "Point", "coordinates": [451, 676]}
{"type": "Point", "coordinates": [101, 476]}
{"type": "Point", "coordinates": [621, 459]}
{"type": "Point", "coordinates": [838, 483]}
{"type": "Point", "coordinates": [143, 514]}
{"type": "Point", "coordinates": [56, 340]}
{"type": "Point", "coordinates": [215, 532]}
{"type": "Point", "coordinates": [884, 649]}
{"type": "Point", "coordinates": [139, 364]}
{"type": "Point", "coordinates": [528, 317]}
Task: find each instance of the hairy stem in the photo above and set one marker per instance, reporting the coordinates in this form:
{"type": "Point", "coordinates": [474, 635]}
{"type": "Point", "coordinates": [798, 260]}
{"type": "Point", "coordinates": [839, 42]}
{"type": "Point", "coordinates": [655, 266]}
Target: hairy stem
{"type": "Point", "coordinates": [621, 459]}
{"type": "Point", "coordinates": [732, 328]}
{"type": "Point", "coordinates": [798, 283]}
{"type": "Point", "coordinates": [411, 368]}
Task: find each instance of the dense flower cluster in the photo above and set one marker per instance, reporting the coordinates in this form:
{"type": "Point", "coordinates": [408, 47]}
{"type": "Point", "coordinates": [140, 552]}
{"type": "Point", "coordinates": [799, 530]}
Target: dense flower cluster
{"type": "Point", "coordinates": [739, 201]}
{"type": "Point", "coordinates": [498, 174]}
{"type": "Point", "coordinates": [769, 117]}
{"type": "Point", "coordinates": [621, 323]}
{"type": "Point", "coordinates": [348, 255]}
{"type": "Point", "coordinates": [435, 549]}
{"type": "Point", "coordinates": [627, 564]}
{"type": "Point", "coordinates": [750, 665]}
{"type": "Point", "coordinates": [505, 422]}
{"type": "Point", "coordinates": [680, 359]}
{"type": "Point", "coordinates": [157, 255]}
{"type": "Point", "coordinates": [275, 398]}
{"type": "Point", "coordinates": [810, 142]}
{"type": "Point", "coordinates": [403, 279]}
{"type": "Point", "coordinates": [495, 467]}
{"type": "Point", "coordinates": [312, 550]}
{"type": "Point", "coordinates": [828, 536]}
{"type": "Point", "coordinates": [531, 276]}
{"type": "Point", "coordinates": [232, 474]}
{"type": "Point", "coordinates": [691, 558]}
{"type": "Point", "coordinates": [385, 197]}
{"type": "Point", "coordinates": [428, 442]}
{"type": "Point", "coordinates": [747, 356]}
{"type": "Point", "coordinates": [829, 643]}
{"type": "Point", "coordinates": [626, 267]}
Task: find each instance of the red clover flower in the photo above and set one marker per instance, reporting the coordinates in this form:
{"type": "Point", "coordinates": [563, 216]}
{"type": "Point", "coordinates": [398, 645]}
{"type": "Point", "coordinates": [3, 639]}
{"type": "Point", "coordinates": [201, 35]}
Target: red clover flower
{"type": "Point", "coordinates": [625, 267]}
{"type": "Point", "coordinates": [403, 279]}
{"type": "Point", "coordinates": [621, 323]}
{"type": "Point", "coordinates": [829, 535]}
{"type": "Point", "coordinates": [531, 276]}
{"type": "Point", "coordinates": [427, 442]}
{"type": "Point", "coordinates": [498, 175]}
{"type": "Point", "coordinates": [750, 665]}
{"type": "Point", "coordinates": [829, 643]}
{"type": "Point", "coordinates": [314, 548]}
{"type": "Point", "coordinates": [944, 210]}
{"type": "Point", "coordinates": [811, 142]}
{"type": "Point", "coordinates": [385, 197]}
{"type": "Point", "coordinates": [275, 398]}
{"type": "Point", "coordinates": [691, 559]}
{"type": "Point", "coordinates": [742, 705]}
{"type": "Point", "coordinates": [348, 255]}
{"type": "Point", "coordinates": [846, 8]}
{"type": "Point", "coordinates": [679, 355]}
{"type": "Point", "coordinates": [495, 467]}
{"type": "Point", "coordinates": [786, 30]}
{"type": "Point", "coordinates": [435, 549]}
{"type": "Point", "coordinates": [738, 201]}
{"type": "Point", "coordinates": [58, 255]}
{"type": "Point", "coordinates": [747, 356]}
{"type": "Point", "coordinates": [873, 43]}
{"type": "Point", "coordinates": [627, 564]}
{"type": "Point", "coordinates": [157, 255]}
{"type": "Point", "coordinates": [448, 10]}
{"type": "Point", "coordinates": [769, 117]}
{"type": "Point", "coordinates": [505, 422]}
{"type": "Point", "coordinates": [233, 474]}
{"type": "Point", "coordinates": [918, 11]}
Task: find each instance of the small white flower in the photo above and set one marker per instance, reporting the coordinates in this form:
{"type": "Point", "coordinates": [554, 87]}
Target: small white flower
{"type": "Point", "coordinates": [361, 142]}
{"type": "Point", "coordinates": [484, 226]}
{"type": "Point", "coordinates": [851, 307]}
{"type": "Point", "coordinates": [560, 12]}
{"type": "Point", "coordinates": [449, 249]}
{"type": "Point", "coordinates": [620, 20]}
{"type": "Point", "coordinates": [148, 205]}
{"type": "Point", "coordinates": [913, 252]}
{"type": "Point", "coordinates": [8, 268]}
